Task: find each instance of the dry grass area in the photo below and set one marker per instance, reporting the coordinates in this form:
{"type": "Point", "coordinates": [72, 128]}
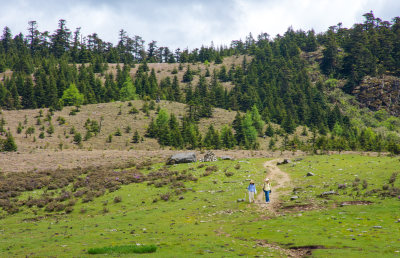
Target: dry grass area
{"type": "Point", "coordinates": [112, 116]}
{"type": "Point", "coordinates": [41, 154]}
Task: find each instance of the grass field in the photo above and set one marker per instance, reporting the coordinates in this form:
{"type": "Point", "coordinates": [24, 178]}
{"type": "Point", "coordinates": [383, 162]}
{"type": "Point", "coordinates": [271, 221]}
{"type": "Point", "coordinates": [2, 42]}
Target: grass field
{"type": "Point", "coordinates": [204, 218]}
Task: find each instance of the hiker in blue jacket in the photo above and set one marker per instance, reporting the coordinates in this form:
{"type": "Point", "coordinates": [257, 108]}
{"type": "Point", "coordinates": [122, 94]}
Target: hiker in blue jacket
{"type": "Point", "coordinates": [252, 190]}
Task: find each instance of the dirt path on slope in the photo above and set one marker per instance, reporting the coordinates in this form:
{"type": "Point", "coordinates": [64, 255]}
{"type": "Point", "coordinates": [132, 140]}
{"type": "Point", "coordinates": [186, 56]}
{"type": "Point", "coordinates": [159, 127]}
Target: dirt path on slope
{"type": "Point", "coordinates": [278, 179]}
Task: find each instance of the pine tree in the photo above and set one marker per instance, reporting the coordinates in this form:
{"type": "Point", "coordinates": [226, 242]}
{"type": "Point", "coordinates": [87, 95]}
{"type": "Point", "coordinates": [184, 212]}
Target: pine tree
{"type": "Point", "coordinates": [136, 137]}
{"type": "Point", "coordinates": [9, 144]}
{"type": "Point", "coordinates": [249, 132]}
{"type": "Point", "coordinates": [258, 123]}
{"type": "Point", "coordinates": [269, 131]}
{"type": "Point", "coordinates": [288, 124]}
{"type": "Point", "coordinates": [28, 100]}
{"type": "Point", "coordinates": [237, 126]}
{"type": "Point", "coordinates": [227, 137]}
{"type": "Point", "coordinates": [188, 75]}
{"type": "Point", "coordinates": [128, 90]}
{"type": "Point", "coordinates": [176, 138]}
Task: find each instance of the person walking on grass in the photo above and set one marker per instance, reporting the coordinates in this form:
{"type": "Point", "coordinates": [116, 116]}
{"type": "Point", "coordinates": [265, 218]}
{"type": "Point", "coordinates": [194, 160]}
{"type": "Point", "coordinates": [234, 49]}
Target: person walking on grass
{"type": "Point", "coordinates": [252, 190]}
{"type": "Point", "coordinates": [267, 189]}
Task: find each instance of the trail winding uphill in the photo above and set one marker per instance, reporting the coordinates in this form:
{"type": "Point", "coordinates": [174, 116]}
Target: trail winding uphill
{"type": "Point", "coordinates": [278, 179]}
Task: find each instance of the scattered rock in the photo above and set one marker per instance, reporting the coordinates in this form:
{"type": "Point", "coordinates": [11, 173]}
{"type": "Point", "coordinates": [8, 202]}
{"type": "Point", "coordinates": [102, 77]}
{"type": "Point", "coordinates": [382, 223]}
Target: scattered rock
{"type": "Point", "coordinates": [355, 203]}
{"type": "Point", "coordinates": [184, 157]}
{"type": "Point", "coordinates": [285, 161]}
{"type": "Point", "coordinates": [342, 186]}
{"type": "Point", "coordinates": [209, 156]}
{"type": "Point", "coordinates": [181, 197]}
{"type": "Point", "coordinates": [377, 227]}
{"type": "Point", "coordinates": [310, 174]}
{"type": "Point", "coordinates": [296, 189]}
{"type": "Point", "coordinates": [294, 198]}
{"type": "Point", "coordinates": [298, 159]}
{"type": "Point", "coordinates": [240, 200]}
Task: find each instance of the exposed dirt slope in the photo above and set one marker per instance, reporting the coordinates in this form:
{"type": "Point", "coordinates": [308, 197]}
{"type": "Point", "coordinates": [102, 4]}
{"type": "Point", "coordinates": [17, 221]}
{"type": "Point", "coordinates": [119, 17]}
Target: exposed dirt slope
{"type": "Point", "coordinates": [279, 180]}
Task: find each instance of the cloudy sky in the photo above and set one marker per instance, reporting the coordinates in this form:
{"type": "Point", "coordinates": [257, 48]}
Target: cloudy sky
{"type": "Point", "coordinates": [190, 23]}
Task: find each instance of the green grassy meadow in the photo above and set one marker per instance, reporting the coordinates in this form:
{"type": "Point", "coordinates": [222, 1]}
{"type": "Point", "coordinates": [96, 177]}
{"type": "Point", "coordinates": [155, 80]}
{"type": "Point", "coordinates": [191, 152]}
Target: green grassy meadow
{"type": "Point", "coordinates": [207, 219]}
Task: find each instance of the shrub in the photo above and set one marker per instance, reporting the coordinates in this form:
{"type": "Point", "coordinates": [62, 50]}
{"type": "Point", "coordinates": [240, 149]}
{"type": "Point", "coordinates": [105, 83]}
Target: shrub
{"type": "Point", "coordinates": [88, 135]}
{"type": "Point", "coordinates": [212, 168]}
{"type": "Point", "coordinates": [77, 138]}
{"type": "Point", "coordinates": [109, 138]}
{"type": "Point", "coordinates": [228, 174]}
{"type": "Point", "coordinates": [118, 132]}
{"type": "Point", "coordinates": [50, 207]}
{"type": "Point", "coordinates": [165, 196]}
{"type": "Point", "coordinates": [60, 207]}
{"type": "Point", "coordinates": [69, 209]}
{"type": "Point", "coordinates": [19, 128]}
{"type": "Point", "coordinates": [206, 173]}
{"type": "Point", "coordinates": [61, 120]}
{"type": "Point", "coordinates": [392, 178]}
{"type": "Point", "coordinates": [117, 199]}
{"type": "Point", "coordinates": [365, 184]}
{"type": "Point", "coordinates": [128, 129]}
{"type": "Point", "coordinates": [88, 197]}
{"type": "Point", "coordinates": [133, 111]}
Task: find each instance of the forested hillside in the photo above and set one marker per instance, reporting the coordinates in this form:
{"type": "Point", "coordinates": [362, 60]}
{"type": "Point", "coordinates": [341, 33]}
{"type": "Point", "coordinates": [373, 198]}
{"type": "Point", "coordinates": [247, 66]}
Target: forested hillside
{"type": "Point", "coordinates": [296, 79]}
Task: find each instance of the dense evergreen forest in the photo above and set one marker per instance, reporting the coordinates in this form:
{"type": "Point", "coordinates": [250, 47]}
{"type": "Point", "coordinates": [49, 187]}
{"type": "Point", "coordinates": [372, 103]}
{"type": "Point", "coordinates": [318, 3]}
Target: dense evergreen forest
{"type": "Point", "coordinates": [64, 68]}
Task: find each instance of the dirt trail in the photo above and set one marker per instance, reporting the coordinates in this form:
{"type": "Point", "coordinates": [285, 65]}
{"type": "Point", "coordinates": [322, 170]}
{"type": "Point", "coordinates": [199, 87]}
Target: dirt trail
{"type": "Point", "coordinates": [278, 179]}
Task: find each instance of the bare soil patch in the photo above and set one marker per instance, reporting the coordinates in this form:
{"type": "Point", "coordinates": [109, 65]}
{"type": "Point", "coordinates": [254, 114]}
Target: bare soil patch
{"type": "Point", "coordinates": [45, 159]}
{"type": "Point", "coordinates": [291, 252]}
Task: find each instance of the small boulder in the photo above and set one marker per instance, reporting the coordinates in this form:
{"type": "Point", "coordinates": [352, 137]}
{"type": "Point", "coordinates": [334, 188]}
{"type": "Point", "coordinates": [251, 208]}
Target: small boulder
{"type": "Point", "coordinates": [310, 174]}
{"type": "Point", "coordinates": [342, 186]}
{"type": "Point", "coordinates": [226, 158]}
{"type": "Point", "coordinates": [294, 198]}
{"type": "Point", "coordinates": [327, 193]}
{"type": "Point", "coordinates": [184, 157]}
{"type": "Point", "coordinates": [285, 161]}
{"type": "Point", "coordinates": [240, 200]}
{"type": "Point", "coordinates": [296, 189]}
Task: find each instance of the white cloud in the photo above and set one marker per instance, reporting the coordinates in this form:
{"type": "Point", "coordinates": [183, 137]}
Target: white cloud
{"type": "Point", "coordinates": [180, 23]}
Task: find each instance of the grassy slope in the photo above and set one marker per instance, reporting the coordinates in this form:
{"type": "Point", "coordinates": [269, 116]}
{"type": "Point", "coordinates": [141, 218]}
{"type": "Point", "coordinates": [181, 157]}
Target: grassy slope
{"type": "Point", "coordinates": [345, 231]}
{"type": "Point", "coordinates": [212, 223]}
{"type": "Point", "coordinates": [180, 228]}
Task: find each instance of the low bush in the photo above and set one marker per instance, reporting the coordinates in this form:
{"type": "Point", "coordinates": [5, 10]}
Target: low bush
{"type": "Point", "coordinates": [165, 196]}
{"type": "Point", "coordinates": [124, 249]}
